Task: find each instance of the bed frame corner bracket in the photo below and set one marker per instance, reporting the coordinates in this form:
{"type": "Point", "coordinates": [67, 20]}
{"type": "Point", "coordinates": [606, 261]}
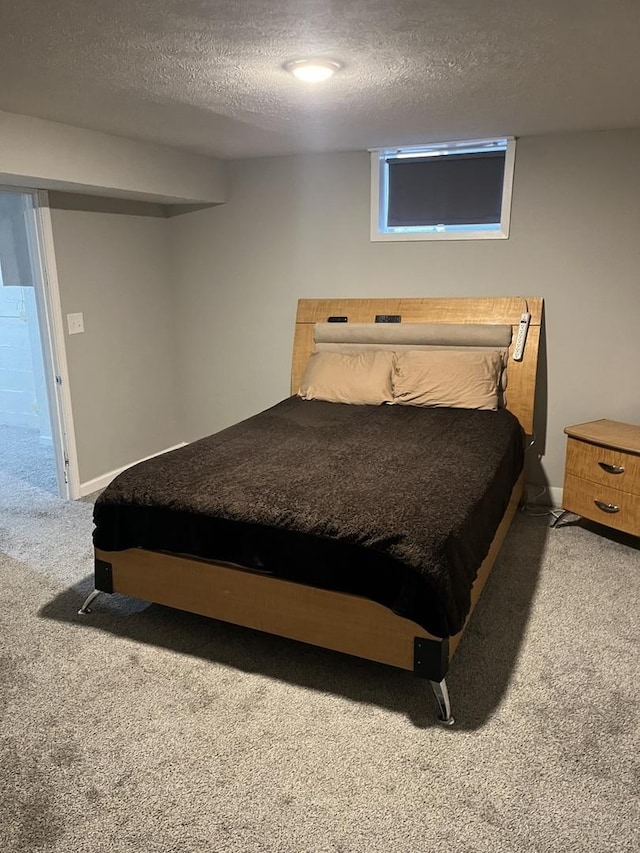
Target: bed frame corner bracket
{"type": "Point", "coordinates": [430, 658]}
{"type": "Point", "coordinates": [103, 576]}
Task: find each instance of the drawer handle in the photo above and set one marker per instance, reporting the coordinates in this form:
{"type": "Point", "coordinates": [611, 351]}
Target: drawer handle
{"type": "Point", "coordinates": [605, 507]}
{"type": "Point", "coordinates": [611, 469]}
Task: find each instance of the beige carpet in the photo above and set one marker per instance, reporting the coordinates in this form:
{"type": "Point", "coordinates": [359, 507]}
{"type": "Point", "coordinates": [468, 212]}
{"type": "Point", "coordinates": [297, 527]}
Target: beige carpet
{"type": "Point", "coordinates": [143, 729]}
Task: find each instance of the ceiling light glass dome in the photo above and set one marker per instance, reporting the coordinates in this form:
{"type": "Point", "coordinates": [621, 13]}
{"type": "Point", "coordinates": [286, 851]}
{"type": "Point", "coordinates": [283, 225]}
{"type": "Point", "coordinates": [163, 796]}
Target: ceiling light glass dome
{"type": "Point", "coordinates": [313, 70]}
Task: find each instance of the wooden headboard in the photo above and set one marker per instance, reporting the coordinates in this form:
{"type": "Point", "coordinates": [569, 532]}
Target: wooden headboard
{"type": "Point", "coordinates": [496, 310]}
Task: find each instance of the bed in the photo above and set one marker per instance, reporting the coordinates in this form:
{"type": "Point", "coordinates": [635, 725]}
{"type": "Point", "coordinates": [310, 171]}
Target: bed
{"type": "Point", "coordinates": [366, 529]}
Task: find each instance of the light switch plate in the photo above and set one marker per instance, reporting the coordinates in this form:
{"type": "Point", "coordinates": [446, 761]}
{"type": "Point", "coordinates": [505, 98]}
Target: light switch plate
{"type": "Point", "coordinates": [75, 323]}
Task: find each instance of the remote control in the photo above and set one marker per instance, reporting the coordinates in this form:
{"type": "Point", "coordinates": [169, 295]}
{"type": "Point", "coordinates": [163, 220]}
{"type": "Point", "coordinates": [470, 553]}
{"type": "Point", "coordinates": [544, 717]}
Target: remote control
{"type": "Point", "coordinates": [523, 328]}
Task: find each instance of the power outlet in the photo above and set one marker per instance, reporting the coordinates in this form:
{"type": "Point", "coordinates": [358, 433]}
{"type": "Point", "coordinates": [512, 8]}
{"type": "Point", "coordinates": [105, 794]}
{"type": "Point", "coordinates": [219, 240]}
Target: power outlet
{"type": "Point", "coordinates": [75, 323]}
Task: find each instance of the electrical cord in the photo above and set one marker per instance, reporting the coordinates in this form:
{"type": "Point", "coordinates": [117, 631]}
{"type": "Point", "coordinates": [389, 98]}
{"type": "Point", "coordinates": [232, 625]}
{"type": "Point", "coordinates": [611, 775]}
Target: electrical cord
{"type": "Point", "coordinates": [529, 508]}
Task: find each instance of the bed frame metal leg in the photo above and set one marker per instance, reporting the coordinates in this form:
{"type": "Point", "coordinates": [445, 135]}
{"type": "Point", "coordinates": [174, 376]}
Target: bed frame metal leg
{"type": "Point", "coordinates": [91, 597]}
{"type": "Point", "coordinates": [431, 661]}
{"type": "Point", "coordinates": [444, 705]}
{"type": "Point", "coordinates": [103, 576]}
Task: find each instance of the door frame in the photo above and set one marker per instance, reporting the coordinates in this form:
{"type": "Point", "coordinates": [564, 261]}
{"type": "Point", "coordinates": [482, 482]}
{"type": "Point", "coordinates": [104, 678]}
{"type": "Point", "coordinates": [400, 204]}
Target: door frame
{"type": "Point", "coordinates": [51, 330]}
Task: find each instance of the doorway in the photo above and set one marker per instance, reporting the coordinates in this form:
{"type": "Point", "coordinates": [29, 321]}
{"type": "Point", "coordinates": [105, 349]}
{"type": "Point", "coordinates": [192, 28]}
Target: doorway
{"type": "Point", "coordinates": [35, 421]}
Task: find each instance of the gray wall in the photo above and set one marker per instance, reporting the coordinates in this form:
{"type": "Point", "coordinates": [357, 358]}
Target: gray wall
{"type": "Point", "coordinates": [299, 227]}
{"type": "Point", "coordinates": [114, 267]}
{"type": "Point", "coordinates": [51, 155]}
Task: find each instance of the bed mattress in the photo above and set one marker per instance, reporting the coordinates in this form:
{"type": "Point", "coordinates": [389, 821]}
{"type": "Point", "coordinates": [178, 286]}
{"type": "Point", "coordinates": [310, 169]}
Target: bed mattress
{"type": "Point", "coordinates": [395, 503]}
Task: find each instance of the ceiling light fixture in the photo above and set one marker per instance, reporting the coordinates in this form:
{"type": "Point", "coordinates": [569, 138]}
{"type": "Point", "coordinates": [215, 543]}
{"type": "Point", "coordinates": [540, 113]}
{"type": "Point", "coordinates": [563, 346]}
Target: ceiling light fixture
{"type": "Point", "coordinates": [312, 70]}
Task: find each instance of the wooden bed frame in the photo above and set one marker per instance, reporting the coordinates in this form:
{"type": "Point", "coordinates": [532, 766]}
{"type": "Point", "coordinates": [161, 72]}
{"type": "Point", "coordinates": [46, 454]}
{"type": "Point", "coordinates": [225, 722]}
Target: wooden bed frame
{"type": "Point", "coordinates": [334, 620]}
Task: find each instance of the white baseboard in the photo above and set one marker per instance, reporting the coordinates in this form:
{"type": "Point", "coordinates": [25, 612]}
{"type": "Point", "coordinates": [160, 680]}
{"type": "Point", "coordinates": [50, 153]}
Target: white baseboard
{"type": "Point", "coordinates": [101, 482]}
{"type": "Point", "coordinates": [555, 494]}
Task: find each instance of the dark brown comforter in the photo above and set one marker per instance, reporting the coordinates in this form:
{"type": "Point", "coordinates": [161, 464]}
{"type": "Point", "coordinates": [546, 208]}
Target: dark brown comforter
{"type": "Point", "coordinates": [396, 503]}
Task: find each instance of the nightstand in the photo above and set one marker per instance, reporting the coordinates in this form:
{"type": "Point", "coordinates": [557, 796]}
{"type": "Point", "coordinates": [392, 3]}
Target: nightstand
{"type": "Point", "coordinates": [602, 474]}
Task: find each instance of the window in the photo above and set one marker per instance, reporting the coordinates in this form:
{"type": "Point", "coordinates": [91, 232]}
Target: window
{"type": "Point", "coordinates": [445, 191]}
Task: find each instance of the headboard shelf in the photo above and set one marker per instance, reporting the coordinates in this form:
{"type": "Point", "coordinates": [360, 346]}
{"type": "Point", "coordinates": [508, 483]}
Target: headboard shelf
{"type": "Point", "coordinates": [499, 309]}
{"type": "Point", "coordinates": [460, 310]}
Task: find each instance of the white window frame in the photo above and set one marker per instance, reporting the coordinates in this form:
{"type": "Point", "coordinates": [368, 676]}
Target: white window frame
{"type": "Point", "coordinates": [379, 200]}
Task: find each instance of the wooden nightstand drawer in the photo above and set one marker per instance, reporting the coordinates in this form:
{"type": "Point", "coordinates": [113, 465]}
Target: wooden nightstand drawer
{"type": "Point", "coordinates": [591, 500]}
{"type": "Point", "coordinates": [612, 468]}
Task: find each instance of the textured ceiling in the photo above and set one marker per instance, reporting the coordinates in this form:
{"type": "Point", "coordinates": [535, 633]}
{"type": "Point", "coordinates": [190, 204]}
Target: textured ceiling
{"type": "Point", "coordinates": [207, 76]}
